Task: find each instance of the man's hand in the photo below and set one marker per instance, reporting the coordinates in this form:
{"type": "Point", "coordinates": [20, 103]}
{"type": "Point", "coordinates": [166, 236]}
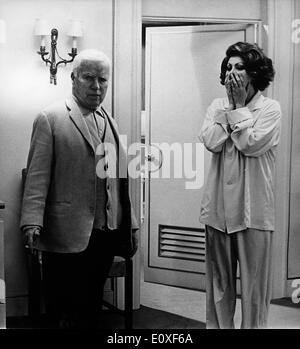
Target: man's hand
{"type": "Point", "coordinates": [238, 89]}
{"type": "Point", "coordinates": [30, 237]}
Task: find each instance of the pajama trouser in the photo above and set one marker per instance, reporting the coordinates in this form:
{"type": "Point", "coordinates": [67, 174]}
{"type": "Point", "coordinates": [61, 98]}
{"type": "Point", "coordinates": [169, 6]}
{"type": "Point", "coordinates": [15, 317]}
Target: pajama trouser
{"type": "Point", "coordinates": [251, 248]}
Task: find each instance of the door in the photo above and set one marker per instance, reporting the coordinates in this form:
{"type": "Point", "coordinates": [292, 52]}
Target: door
{"type": "Point", "coordinates": [182, 68]}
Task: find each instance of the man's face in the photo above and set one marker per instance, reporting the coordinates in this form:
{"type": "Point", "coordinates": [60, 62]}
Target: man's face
{"type": "Point", "coordinates": [90, 83]}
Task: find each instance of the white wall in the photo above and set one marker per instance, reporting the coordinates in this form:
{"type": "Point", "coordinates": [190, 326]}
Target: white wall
{"type": "Point", "coordinates": [229, 9]}
{"type": "Point", "coordinates": [24, 90]}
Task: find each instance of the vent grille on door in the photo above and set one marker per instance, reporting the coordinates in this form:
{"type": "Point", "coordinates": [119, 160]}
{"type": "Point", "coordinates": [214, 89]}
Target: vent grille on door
{"type": "Point", "coordinates": [182, 243]}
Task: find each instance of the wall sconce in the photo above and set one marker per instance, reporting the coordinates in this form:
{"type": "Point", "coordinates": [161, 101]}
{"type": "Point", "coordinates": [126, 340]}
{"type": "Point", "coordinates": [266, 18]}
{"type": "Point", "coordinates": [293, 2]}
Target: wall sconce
{"type": "Point", "coordinates": [42, 29]}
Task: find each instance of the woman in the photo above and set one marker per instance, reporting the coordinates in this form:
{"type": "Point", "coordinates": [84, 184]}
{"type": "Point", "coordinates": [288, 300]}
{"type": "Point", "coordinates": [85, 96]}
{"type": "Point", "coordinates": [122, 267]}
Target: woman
{"type": "Point", "coordinates": [242, 132]}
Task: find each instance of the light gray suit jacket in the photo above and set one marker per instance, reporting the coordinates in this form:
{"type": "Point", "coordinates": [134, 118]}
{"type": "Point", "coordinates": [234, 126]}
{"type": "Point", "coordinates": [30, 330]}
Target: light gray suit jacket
{"type": "Point", "coordinates": [60, 187]}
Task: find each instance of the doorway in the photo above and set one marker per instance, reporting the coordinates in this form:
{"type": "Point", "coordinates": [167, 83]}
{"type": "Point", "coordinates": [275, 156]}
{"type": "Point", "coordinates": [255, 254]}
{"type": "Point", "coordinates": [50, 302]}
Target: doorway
{"type": "Point", "coordinates": [181, 67]}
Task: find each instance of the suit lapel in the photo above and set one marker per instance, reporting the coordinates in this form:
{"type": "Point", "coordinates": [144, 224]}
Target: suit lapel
{"type": "Point", "coordinates": [112, 123]}
{"type": "Point", "coordinates": [122, 151]}
{"type": "Point", "coordinates": [76, 117]}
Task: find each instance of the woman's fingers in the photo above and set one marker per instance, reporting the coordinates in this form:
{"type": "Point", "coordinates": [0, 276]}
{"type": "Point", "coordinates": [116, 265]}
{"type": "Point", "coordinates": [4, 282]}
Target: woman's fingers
{"type": "Point", "coordinates": [239, 80]}
{"type": "Point", "coordinates": [227, 78]}
{"type": "Point", "coordinates": [235, 81]}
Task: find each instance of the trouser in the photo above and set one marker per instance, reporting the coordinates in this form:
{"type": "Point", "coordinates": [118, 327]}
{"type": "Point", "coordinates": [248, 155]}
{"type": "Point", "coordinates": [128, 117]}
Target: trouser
{"type": "Point", "coordinates": [251, 248]}
{"type": "Point", "coordinates": [73, 282]}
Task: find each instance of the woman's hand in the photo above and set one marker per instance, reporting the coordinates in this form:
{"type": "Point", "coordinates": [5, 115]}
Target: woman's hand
{"type": "Point", "coordinates": [238, 89]}
{"type": "Point", "coordinates": [228, 86]}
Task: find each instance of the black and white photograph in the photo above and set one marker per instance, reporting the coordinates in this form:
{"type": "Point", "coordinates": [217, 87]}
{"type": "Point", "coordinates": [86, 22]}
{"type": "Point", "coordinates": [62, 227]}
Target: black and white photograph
{"type": "Point", "coordinates": [149, 168]}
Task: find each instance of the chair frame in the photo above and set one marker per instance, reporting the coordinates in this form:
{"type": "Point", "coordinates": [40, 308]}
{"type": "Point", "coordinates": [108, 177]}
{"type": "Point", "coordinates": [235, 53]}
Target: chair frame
{"type": "Point", "coordinates": [127, 273]}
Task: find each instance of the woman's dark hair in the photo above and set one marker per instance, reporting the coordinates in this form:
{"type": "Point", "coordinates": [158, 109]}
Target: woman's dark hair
{"type": "Point", "coordinates": [257, 65]}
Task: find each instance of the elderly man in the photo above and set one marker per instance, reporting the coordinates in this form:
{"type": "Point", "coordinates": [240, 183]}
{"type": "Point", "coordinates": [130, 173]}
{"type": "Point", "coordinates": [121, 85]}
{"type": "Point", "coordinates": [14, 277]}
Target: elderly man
{"type": "Point", "coordinates": [74, 211]}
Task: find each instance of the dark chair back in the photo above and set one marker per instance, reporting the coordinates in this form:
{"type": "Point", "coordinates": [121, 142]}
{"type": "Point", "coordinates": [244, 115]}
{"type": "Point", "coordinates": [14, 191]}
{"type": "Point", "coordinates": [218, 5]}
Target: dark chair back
{"type": "Point", "coordinates": [34, 267]}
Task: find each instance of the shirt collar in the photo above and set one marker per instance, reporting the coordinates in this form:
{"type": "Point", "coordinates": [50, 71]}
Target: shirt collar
{"type": "Point", "coordinates": [255, 103]}
{"type": "Point", "coordinates": [85, 112]}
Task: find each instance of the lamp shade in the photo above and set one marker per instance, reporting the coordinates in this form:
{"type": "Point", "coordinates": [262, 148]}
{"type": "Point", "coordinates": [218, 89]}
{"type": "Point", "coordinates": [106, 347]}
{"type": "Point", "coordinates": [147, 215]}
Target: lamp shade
{"type": "Point", "coordinates": [75, 29]}
{"type": "Point", "coordinates": [2, 31]}
{"type": "Point", "coordinates": [41, 27]}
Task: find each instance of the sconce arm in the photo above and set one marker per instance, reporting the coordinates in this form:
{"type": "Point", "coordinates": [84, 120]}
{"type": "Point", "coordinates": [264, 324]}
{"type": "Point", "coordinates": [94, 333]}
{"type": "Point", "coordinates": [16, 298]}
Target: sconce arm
{"type": "Point", "coordinates": [43, 53]}
{"type": "Point", "coordinates": [73, 54]}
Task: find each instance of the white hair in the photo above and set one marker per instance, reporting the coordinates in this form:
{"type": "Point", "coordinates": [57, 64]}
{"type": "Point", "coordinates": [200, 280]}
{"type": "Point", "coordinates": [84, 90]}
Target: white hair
{"type": "Point", "coordinates": [90, 55]}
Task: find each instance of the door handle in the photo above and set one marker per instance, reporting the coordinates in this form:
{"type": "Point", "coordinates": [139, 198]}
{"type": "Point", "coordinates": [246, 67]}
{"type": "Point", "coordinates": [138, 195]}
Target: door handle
{"type": "Point", "coordinates": [150, 157]}
{"type": "Point", "coordinates": [153, 159]}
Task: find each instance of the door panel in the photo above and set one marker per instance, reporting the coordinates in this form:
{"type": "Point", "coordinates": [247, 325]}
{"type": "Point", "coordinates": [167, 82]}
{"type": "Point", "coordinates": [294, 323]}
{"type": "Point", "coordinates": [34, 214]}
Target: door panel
{"type": "Point", "coordinates": [294, 231]}
{"type": "Point", "coordinates": [181, 79]}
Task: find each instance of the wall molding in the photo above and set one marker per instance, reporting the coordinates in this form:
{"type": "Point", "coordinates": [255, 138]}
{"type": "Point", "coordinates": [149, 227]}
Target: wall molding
{"type": "Point", "coordinates": [280, 49]}
{"type": "Point", "coordinates": [127, 52]}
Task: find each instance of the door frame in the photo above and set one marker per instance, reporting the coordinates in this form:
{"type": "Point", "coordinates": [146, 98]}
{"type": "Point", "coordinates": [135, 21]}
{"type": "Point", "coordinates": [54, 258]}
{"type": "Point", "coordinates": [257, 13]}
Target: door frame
{"type": "Point", "coordinates": [181, 21]}
{"type": "Point", "coordinates": [160, 20]}
{"type": "Point", "coordinates": [126, 85]}
{"type": "Point", "coordinates": [282, 51]}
